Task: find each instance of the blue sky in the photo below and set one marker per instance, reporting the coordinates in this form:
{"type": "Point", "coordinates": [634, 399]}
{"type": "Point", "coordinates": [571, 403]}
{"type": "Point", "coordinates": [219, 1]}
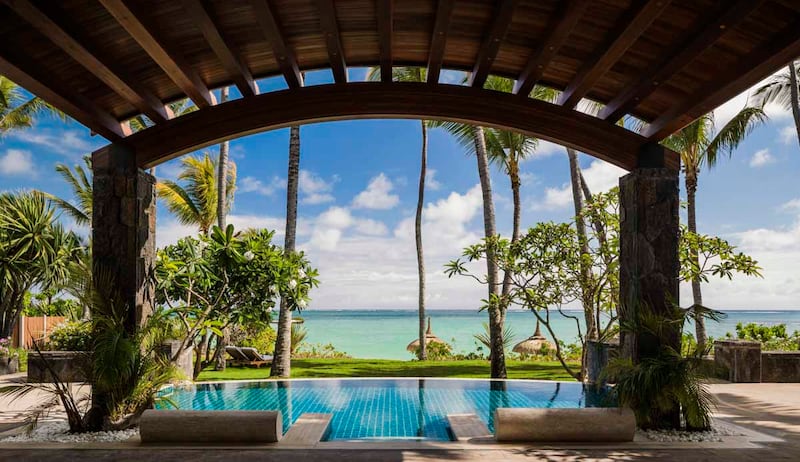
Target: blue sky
{"type": "Point", "coordinates": [358, 194]}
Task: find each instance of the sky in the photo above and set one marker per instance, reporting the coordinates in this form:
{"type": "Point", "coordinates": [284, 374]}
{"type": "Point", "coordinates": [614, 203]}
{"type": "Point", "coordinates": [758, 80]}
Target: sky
{"type": "Point", "coordinates": [358, 191]}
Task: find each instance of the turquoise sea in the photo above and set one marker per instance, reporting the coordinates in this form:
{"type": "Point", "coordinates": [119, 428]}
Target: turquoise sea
{"type": "Point", "coordinates": [384, 334]}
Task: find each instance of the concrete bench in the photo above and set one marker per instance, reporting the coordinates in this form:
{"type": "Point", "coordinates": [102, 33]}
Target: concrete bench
{"type": "Point", "coordinates": [465, 427]}
{"type": "Point", "coordinates": [564, 425]}
{"type": "Point", "coordinates": [176, 426]}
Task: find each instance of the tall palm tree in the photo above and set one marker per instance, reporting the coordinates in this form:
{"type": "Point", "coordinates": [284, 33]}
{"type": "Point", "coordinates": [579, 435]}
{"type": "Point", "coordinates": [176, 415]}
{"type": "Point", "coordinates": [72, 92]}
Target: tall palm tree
{"type": "Point", "coordinates": [18, 110]}
{"type": "Point", "coordinates": [282, 362]}
{"type": "Point", "coordinates": [195, 202]}
{"type": "Point", "coordinates": [416, 74]}
{"type": "Point", "coordinates": [222, 174]}
{"type": "Point", "coordinates": [783, 89]}
{"type": "Point", "coordinates": [474, 137]}
{"type": "Point", "coordinates": [698, 146]}
{"type": "Point", "coordinates": [79, 179]}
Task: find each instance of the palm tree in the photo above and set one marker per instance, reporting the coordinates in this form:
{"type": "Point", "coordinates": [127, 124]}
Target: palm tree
{"type": "Point", "coordinates": [222, 174]}
{"type": "Point", "coordinates": [17, 109]}
{"type": "Point", "coordinates": [474, 137]}
{"type": "Point", "coordinates": [195, 203]}
{"type": "Point", "coordinates": [416, 74]}
{"type": "Point", "coordinates": [282, 362]}
{"type": "Point", "coordinates": [699, 145]}
{"type": "Point", "coordinates": [783, 89]}
{"type": "Point", "coordinates": [79, 179]}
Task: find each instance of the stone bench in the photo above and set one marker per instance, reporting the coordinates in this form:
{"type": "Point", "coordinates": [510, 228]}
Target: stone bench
{"type": "Point", "coordinates": [308, 430]}
{"type": "Point", "coordinates": [465, 427]}
{"type": "Point", "coordinates": [176, 426]}
{"type": "Point", "coordinates": [585, 425]}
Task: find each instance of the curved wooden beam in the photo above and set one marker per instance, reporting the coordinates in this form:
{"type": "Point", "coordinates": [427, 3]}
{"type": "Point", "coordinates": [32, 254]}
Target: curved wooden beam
{"type": "Point", "coordinates": [374, 100]}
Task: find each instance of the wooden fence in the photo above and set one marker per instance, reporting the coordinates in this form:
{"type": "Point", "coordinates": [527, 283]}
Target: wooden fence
{"type": "Point", "coordinates": [35, 328]}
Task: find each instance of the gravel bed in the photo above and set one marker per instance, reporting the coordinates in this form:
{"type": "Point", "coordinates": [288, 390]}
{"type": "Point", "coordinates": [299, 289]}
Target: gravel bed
{"type": "Point", "coordinates": [58, 432]}
{"type": "Point", "coordinates": [716, 434]}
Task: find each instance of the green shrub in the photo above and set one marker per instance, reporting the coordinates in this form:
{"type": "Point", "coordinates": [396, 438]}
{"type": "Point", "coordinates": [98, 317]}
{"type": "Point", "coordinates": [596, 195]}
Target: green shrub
{"type": "Point", "coordinates": [319, 351]}
{"type": "Point", "coordinates": [259, 336]}
{"type": "Point", "coordinates": [772, 338]}
{"type": "Point", "coordinates": [71, 336]}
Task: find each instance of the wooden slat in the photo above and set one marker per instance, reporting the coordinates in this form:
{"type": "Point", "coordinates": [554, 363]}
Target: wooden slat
{"type": "Point", "coordinates": [704, 35]}
{"type": "Point", "coordinates": [307, 430]}
{"type": "Point", "coordinates": [135, 94]}
{"type": "Point", "coordinates": [784, 47]}
{"type": "Point", "coordinates": [465, 427]}
{"type": "Point", "coordinates": [171, 62]}
{"type": "Point", "coordinates": [555, 36]}
{"type": "Point", "coordinates": [287, 61]}
{"type": "Point", "coordinates": [24, 73]}
{"type": "Point", "coordinates": [491, 43]}
{"type": "Point", "coordinates": [631, 27]}
{"type": "Point", "coordinates": [333, 41]}
{"type": "Point", "coordinates": [365, 100]}
{"type": "Point", "coordinates": [236, 69]}
{"type": "Point", "coordinates": [444, 12]}
{"type": "Point", "coordinates": [385, 13]}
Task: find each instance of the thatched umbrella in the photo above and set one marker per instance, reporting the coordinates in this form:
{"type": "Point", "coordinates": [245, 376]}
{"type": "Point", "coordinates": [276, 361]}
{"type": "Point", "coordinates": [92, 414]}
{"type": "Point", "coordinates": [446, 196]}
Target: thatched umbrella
{"type": "Point", "coordinates": [429, 338]}
{"type": "Point", "coordinates": [533, 344]}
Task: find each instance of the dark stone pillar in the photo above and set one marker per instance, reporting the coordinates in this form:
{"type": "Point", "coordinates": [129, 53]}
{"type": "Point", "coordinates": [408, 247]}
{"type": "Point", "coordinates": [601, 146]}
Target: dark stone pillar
{"type": "Point", "coordinates": [123, 228]}
{"type": "Point", "coordinates": [649, 234]}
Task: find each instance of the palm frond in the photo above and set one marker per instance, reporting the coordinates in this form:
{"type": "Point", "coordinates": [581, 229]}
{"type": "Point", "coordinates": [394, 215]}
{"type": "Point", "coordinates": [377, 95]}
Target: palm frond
{"type": "Point", "coordinates": [734, 132]}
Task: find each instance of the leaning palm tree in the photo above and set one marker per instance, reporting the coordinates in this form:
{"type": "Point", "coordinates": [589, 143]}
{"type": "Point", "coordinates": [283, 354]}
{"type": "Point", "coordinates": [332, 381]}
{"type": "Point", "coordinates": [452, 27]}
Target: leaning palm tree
{"type": "Point", "coordinates": [416, 74]}
{"type": "Point", "coordinates": [783, 90]}
{"type": "Point", "coordinates": [19, 110]}
{"type": "Point", "coordinates": [699, 145]}
{"type": "Point", "coordinates": [282, 362]}
{"type": "Point", "coordinates": [79, 178]}
{"type": "Point", "coordinates": [194, 202]}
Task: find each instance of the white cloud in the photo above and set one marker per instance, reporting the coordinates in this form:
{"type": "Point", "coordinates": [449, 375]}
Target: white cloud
{"type": "Point", "coordinates": [330, 226]}
{"type": "Point", "coordinates": [761, 158]}
{"type": "Point", "coordinates": [314, 189]}
{"type": "Point", "coordinates": [788, 134]}
{"type": "Point", "coordinates": [251, 184]}
{"type": "Point", "coordinates": [377, 195]}
{"type": "Point", "coordinates": [600, 176]}
{"type": "Point", "coordinates": [371, 227]}
{"type": "Point", "coordinates": [71, 143]}
{"type": "Point", "coordinates": [547, 149]}
{"type": "Point", "coordinates": [724, 113]}
{"type": "Point", "coordinates": [431, 182]}
{"type": "Point", "coordinates": [17, 162]}
{"type": "Point", "coordinates": [793, 204]}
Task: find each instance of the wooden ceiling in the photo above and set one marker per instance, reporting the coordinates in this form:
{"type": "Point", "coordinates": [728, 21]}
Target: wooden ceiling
{"type": "Point", "coordinates": [665, 62]}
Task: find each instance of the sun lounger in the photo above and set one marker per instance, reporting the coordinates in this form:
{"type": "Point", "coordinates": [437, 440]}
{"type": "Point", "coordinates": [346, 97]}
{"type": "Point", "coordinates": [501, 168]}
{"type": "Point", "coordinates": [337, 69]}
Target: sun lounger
{"type": "Point", "coordinates": [247, 356]}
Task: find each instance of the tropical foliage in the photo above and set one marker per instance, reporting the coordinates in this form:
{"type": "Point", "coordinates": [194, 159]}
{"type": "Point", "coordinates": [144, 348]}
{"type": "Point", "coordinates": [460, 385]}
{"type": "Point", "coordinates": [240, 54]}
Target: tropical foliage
{"type": "Point", "coordinates": [210, 282]}
{"type": "Point", "coordinates": [772, 338]}
{"type": "Point", "coordinates": [35, 252]}
{"type": "Point", "coordinates": [782, 89]}
{"type": "Point", "coordinates": [79, 178]}
{"type": "Point", "coordinates": [193, 198]}
{"type": "Point", "coordinates": [18, 110]}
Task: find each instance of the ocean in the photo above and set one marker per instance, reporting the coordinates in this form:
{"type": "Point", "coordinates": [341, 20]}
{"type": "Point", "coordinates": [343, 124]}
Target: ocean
{"type": "Point", "coordinates": [384, 334]}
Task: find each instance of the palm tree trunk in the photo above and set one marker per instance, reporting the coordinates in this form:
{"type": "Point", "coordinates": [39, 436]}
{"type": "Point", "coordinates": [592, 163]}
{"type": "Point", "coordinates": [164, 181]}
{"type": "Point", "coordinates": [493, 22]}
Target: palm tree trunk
{"type": "Point", "coordinates": [795, 101]}
{"type": "Point", "coordinates": [423, 349]}
{"type": "Point", "coordinates": [697, 296]}
{"type": "Point", "coordinates": [580, 226]}
{"type": "Point", "coordinates": [498, 359]}
{"type": "Point", "coordinates": [282, 363]}
{"type": "Point", "coordinates": [222, 211]}
{"type": "Point", "coordinates": [513, 173]}
{"type": "Point", "coordinates": [222, 172]}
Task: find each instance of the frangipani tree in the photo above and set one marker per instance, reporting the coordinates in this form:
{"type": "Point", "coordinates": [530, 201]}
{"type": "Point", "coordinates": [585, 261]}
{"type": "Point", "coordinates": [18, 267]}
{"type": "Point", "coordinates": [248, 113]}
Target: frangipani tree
{"type": "Point", "coordinates": [209, 282]}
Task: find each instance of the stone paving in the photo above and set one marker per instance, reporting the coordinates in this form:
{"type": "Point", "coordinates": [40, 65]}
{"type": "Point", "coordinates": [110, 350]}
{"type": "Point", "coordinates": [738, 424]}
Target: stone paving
{"type": "Point", "coordinates": [771, 409]}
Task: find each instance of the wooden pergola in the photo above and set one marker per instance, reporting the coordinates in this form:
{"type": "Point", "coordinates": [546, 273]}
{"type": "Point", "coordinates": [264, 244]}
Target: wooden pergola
{"type": "Point", "coordinates": [664, 62]}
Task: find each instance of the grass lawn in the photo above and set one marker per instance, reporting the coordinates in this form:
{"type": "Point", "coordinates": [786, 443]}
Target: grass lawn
{"type": "Point", "coordinates": [317, 368]}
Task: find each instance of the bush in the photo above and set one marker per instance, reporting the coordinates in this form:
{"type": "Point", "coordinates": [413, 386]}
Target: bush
{"type": "Point", "coordinates": [259, 336]}
{"type": "Point", "coordinates": [772, 338]}
{"type": "Point", "coordinates": [319, 351]}
{"type": "Point", "coordinates": [437, 351]}
{"type": "Point", "coordinates": [70, 336]}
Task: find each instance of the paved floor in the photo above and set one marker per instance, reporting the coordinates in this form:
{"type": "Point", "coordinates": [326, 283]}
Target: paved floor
{"type": "Point", "coordinates": [773, 409]}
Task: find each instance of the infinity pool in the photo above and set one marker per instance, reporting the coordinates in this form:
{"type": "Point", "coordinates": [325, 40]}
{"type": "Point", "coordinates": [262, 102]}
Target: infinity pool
{"type": "Point", "coordinates": [386, 409]}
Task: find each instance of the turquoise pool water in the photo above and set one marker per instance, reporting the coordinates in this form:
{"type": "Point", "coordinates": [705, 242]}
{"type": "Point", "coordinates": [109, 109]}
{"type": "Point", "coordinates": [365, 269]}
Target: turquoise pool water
{"type": "Point", "coordinates": [367, 409]}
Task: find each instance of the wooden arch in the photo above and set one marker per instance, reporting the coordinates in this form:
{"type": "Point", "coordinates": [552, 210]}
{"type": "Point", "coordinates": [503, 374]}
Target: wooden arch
{"type": "Point", "coordinates": [370, 100]}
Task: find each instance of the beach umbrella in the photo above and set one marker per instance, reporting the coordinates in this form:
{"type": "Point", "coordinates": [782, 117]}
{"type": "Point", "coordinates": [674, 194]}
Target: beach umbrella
{"type": "Point", "coordinates": [429, 338]}
{"type": "Point", "coordinates": [533, 344]}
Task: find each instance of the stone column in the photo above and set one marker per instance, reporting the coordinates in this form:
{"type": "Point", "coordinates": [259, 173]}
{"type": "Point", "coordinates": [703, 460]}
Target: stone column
{"type": "Point", "coordinates": [649, 234]}
{"type": "Point", "coordinates": [123, 228]}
